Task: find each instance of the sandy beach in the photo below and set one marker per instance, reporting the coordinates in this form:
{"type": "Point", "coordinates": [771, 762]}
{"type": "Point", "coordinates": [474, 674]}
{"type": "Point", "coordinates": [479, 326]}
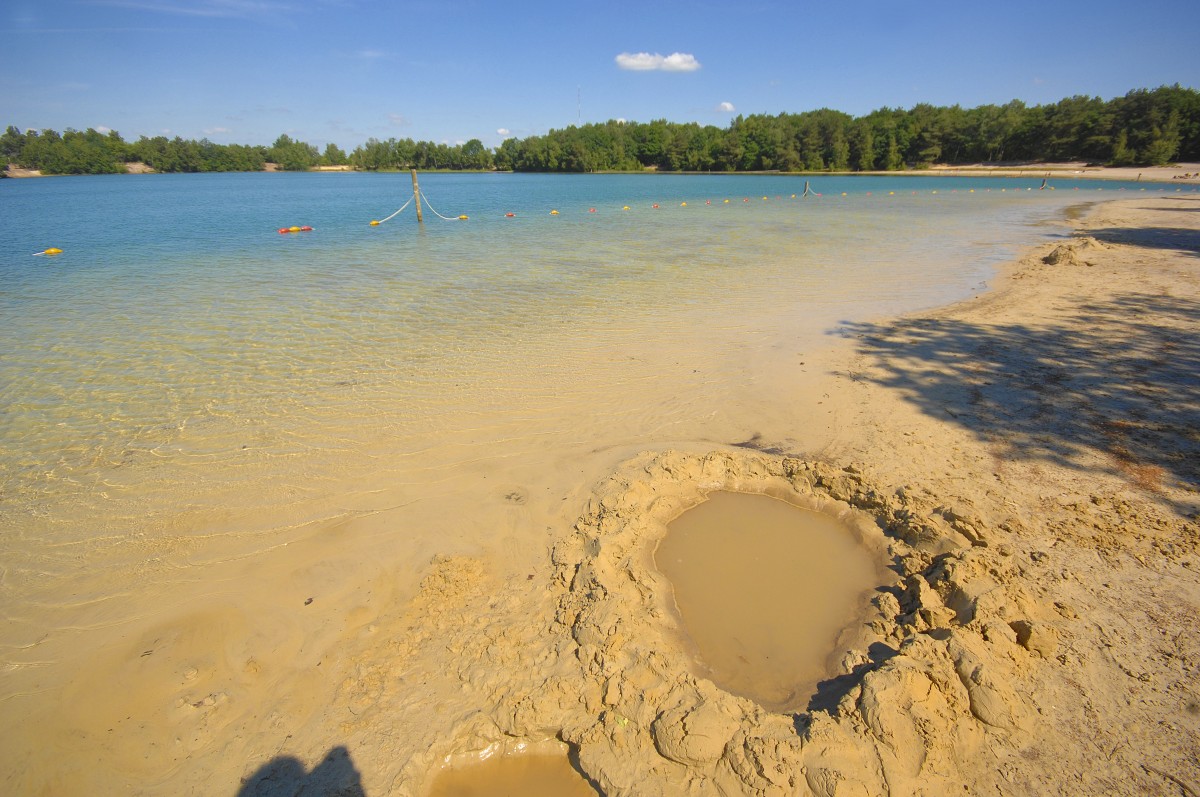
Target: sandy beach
{"type": "Point", "coordinates": [1028, 459]}
{"type": "Point", "coordinates": [1024, 466]}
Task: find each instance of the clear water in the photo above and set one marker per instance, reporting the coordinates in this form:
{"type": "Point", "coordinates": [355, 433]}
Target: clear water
{"type": "Point", "coordinates": [184, 384]}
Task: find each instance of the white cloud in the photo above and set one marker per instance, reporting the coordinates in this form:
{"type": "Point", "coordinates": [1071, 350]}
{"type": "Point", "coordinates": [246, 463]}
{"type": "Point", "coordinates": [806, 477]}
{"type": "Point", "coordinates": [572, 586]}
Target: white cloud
{"type": "Point", "coordinates": [398, 120]}
{"type": "Point", "coordinates": [504, 132]}
{"type": "Point", "coordinates": [726, 107]}
{"type": "Point", "coordinates": [646, 62]}
{"type": "Point", "coordinates": [103, 129]}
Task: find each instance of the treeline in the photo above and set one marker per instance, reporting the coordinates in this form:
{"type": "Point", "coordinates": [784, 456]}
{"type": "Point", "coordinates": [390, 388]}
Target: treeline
{"type": "Point", "coordinates": [1145, 127]}
{"type": "Point", "coordinates": [1142, 128]}
{"type": "Point", "coordinates": [91, 152]}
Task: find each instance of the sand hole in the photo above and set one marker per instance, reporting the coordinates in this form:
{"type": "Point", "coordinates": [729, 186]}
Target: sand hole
{"type": "Point", "coordinates": [505, 775]}
{"type": "Point", "coordinates": [764, 590]}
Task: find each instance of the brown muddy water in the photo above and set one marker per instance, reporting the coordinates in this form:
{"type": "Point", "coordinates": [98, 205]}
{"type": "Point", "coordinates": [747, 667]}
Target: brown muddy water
{"type": "Point", "coordinates": [513, 776]}
{"type": "Point", "coordinates": [763, 590]}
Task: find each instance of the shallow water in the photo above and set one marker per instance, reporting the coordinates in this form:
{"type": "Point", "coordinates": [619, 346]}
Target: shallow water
{"type": "Point", "coordinates": [201, 418]}
{"type": "Point", "coordinates": [764, 589]}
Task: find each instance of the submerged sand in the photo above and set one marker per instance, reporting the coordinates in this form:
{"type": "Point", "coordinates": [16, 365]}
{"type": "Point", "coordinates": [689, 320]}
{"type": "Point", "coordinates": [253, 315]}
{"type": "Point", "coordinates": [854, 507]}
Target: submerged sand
{"type": "Point", "coordinates": [1026, 461]}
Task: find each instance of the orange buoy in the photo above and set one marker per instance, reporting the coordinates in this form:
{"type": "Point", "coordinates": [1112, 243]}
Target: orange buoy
{"type": "Point", "coordinates": [654, 205]}
{"type": "Point", "coordinates": [509, 215]}
{"type": "Point", "coordinates": [591, 210]}
{"type": "Point", "coordinates": [283, 230]}
{"type": "Point", "coordinates": [306, 228]}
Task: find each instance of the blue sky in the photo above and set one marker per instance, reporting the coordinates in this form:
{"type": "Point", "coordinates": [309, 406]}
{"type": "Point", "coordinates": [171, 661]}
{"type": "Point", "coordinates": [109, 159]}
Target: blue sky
{"type": "Point", "coordinates": [342, 71]}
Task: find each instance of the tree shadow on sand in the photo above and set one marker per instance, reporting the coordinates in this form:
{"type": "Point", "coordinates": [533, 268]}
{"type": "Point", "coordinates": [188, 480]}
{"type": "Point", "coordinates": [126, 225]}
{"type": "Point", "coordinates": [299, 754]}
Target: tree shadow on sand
{"type": "Point", "coordinates": [1180, 239]}
{"type": "Point", "coordinates": [1114, 386]}
{"type": "Point", "coordinates": [285, 776]}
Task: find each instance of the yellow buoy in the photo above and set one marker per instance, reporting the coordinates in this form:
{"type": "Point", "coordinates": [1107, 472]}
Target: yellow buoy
{"type": "Point", "coordinates": [683, 204]}
{"type": "Point", "coordinates": [625, 208]}
{"type": "Point", "coordinates": [51, 251]}
{"type": "Point", "coordinates": [293, 229]}
{"type": "Point", "coordinates": [462, 218]}
{"type": "Point", "coordinates": [554, 213]}
{"type": "Point", "coordinates": [726, 201]}
{"type": "Point", "coordinates": [375, 223]}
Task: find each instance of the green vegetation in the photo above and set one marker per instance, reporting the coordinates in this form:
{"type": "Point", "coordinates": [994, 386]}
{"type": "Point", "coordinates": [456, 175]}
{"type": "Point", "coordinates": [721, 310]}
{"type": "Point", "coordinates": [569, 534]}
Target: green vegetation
{"type": "Point", "coordinates": [1145, 127]}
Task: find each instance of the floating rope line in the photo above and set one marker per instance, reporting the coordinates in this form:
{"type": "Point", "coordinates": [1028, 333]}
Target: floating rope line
{"type": "Point", "coordinates": [394, 215]}
{"type": "Point", "coordinates": [439, 215]}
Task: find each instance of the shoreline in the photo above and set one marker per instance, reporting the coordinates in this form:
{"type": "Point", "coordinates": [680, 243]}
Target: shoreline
{"type": "Point", "coordinates": [1022, 455]}
{"type": "Point", "coordinates": [1181, 174]}
{"type": "Point", "coordinates": [1048, 563]}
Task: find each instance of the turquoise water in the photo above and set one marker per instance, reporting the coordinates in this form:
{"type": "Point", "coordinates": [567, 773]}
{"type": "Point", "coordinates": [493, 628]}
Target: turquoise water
{"type": "Point", "coordinates": [183, 371]}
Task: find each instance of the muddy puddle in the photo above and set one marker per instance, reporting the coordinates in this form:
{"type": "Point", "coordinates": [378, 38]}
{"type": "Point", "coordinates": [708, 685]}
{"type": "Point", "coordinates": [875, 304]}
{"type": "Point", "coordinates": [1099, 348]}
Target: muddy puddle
{"type": "Point", "coordinates": [763, 590]}
{"type": "Point", "coordinates": [513, 776]}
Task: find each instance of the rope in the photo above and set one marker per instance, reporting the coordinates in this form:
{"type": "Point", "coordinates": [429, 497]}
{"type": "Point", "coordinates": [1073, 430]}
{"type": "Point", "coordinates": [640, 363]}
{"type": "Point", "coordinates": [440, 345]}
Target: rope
{"type": "Point", "coordinates": [434, 212]}
{"type": "Point", "coordinates": [397, 213]}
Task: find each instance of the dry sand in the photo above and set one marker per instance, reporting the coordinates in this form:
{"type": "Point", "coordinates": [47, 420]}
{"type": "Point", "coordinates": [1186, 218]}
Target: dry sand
{"type": "Point", "coordinates": [1027, 461]}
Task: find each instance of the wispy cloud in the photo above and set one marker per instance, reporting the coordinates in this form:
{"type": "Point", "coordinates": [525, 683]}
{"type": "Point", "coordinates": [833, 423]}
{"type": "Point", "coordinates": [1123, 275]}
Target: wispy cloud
{"type": "Point", "coordinates": [648, 62]}
{"type": "Point", "coordinates": [206, 8]}
{"type": "Point", "coordinates": [398, 120]}
{"type": "Point", "coordinates": [503, 132]}
{"type": "Point", "coordinates": [726, 107]}
{"type": "Point", "coordinates": [213, 131]}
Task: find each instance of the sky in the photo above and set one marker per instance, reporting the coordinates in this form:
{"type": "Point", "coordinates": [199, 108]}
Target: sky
{"type": "Point", "coordinates": [344, 71]}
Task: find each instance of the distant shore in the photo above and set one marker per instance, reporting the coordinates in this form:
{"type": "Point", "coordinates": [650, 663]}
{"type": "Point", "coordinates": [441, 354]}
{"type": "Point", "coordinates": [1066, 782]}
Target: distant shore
{"type": "Point", "coordinates": [1178, 173]}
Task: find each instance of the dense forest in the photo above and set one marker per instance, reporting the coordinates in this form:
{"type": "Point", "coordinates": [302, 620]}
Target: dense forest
{"type": "Point", "coordinates": [1144, 127]}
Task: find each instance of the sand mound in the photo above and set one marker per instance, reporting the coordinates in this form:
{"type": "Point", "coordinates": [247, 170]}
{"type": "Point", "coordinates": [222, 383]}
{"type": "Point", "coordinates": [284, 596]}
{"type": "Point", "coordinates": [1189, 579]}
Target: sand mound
{"type": "Point", "coordinates": [931, 677]}
{"type": "Point", "coordinates": [1074, 253]}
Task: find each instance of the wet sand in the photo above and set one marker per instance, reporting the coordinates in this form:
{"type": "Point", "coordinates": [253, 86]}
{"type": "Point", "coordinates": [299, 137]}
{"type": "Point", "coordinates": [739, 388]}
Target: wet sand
{"type": "Point", "coordinates": [1026, 458]}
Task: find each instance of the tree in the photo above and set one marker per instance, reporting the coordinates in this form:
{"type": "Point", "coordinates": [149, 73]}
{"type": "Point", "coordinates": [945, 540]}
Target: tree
{"type": "Point", "coordinates": [333, 156]}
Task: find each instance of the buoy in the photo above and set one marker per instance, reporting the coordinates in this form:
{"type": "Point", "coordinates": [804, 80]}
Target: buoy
{"type": "Point", "coordinates": [591, 210]}
{"type": "Point", "coordinates": [306, 228]}
{"type": "Point", "coordinates": [293, 229]}
{"type": "Point", "coordinates": [683, 204]}
{"type": "Point", "coordinates": [374, 223]}
{"type": "Point", "coordinates": [51, 251]}
{"type": "Point", "coordinates": [284, 230]}
{"type": "Point", "coordinates": [655, 205]}
{"type": "Point", "coordinates": [462, 218]}
{"type": "Point", "coordinates": [708, 201]}
{"type": "Point", "coordinates": [509, 215]}
{"type": "Point", "coordinates": [554, 213]}
{"type": "Point", "coordinates": [625, 208]}
{"type": "Point", "coordinates": [891, 193]}
{"type": "Point", "coordinates": [726, 201]}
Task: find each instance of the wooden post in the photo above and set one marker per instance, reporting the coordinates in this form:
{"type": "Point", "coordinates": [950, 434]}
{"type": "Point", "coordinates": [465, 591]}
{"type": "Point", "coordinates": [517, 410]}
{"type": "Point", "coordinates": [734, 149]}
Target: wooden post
{"type": "Point", "coordinates": [417, 196]}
